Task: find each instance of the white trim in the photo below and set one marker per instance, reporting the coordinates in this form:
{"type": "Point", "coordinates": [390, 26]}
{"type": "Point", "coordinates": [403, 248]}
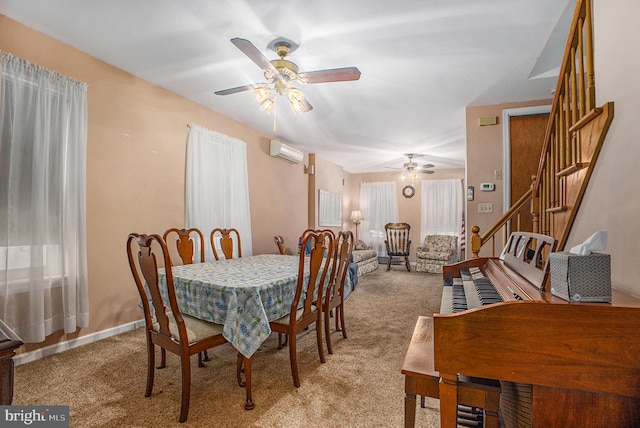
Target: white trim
{"type": "Point", "coordinates": [74, 343]}
{"type": "Point", "coordinates": [507, 114]}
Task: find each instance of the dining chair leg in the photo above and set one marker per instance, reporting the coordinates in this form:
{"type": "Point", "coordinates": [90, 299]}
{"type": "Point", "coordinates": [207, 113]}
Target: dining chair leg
{"type": "Point", "coordinates": [200, 363]}
{"type": "Point", "coordinates": [406, 259]}
{"type": "Point", "coordinates": [186, 387]}
{"type": "Point", "coordinates": [388, 262]}
{"type": "Point", "coordinates": [340, 315]}
{"type": "Point", "coordinates": [163, 358]}
{"type": "Point", "coordinates": [293, 358]}
{"type": "Point", "coordinates": [248, 401]}
{"type": "Point", "coordinates": [279, 340]}
{"type": "Point", "coordinates": [206, 355]}
{"type": "Point", "coordinates": [327, 331]}
{"type": "Point", "coordinates": [319, 337]}
{"type": "Point", "coordinates": [151, 363]}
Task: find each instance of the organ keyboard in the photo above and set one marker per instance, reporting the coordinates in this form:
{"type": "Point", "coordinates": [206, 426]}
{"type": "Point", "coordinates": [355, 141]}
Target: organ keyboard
{"type": "Point", "coordinates": [559, 363]}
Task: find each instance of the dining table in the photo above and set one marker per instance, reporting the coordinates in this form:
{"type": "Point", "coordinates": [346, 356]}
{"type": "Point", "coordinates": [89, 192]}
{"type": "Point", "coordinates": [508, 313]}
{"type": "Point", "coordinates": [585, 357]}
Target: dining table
{"type": "Point", "coordinates": [242, 294]}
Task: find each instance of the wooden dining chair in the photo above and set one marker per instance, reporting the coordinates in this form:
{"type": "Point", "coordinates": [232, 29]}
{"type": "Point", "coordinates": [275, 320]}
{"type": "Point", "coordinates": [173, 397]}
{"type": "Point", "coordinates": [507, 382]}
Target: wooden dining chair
{"type": "Point", "coordinates": [279, 240]}
{"type": "Point", "coordinates": [186, 246]}
{"type": "Point", "coordinates": [186, 242]}
{"type": "Point", "coordinates": [166, 326]}
{"type": "Point", "coordinates": [335, 295]}
{"type": "Point", "coordinates": [227, 245]}
{"type": "Point", "coordinates": [312, 275]}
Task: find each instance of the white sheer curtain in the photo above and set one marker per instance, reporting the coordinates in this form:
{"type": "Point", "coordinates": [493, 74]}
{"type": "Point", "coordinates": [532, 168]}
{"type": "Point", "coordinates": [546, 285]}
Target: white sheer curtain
{"type": "Point", "coordinates": [442, 209]}
{"type": "Point", "coordinates": [217, 188]}
{"type": "Point", "coordinates": [379, 206]}
{"type": "Point", "coordinates": [43, 265]}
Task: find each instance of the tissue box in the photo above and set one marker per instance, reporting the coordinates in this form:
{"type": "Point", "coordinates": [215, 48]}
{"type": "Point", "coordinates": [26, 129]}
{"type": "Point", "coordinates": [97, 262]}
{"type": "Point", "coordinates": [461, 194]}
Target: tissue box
{"type": "Point", "coordinates": [579, 278]}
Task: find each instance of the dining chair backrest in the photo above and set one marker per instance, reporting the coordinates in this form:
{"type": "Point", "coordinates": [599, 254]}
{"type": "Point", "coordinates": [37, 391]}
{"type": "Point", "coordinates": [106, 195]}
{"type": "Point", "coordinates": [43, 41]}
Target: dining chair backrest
{"type": "Point", "coordinates": [226, 243]}
{"type": "Point", "coordinates": [335, 294]}
{"type": "Point", "coordinates": [279, 240]}
{"type": "Point", "coordinates": [143, 252]}
{"type": "Point", "coordinates": [307, 247]}
{"type": "Point", "coordinates": [317, 266]}
{"type": "Point", "coordinates": [342, 258]}
{"type": "Point", "coordinates": [187, 243]}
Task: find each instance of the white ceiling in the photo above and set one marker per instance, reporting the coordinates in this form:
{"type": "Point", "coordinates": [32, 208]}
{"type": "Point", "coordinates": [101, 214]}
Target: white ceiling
{"type": "Point", "coordinates": [422, 62]}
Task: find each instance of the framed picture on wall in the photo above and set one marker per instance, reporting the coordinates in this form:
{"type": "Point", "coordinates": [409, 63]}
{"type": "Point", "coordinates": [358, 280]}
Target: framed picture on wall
{"type": "Point", "coordinates": [329, 209]}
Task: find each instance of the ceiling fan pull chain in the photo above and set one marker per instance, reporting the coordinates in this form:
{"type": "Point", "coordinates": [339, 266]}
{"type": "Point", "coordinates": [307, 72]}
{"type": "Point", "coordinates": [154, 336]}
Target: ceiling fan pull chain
{"type": "Point", "coordinates": [275, 112]}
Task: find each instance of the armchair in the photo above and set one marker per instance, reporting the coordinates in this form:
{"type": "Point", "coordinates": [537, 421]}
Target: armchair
{"type": "Point", "coordinates": [437, 250]}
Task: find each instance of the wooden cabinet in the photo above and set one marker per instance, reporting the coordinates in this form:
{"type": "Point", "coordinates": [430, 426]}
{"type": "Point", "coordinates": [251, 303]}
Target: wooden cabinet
{"type": "Point", "coordinates": [9, 341]}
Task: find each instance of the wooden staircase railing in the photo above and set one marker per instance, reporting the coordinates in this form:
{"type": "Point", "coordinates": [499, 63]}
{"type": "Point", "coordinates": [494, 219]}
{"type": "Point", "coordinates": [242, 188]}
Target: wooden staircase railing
{"type": "Point", "coordinates": [573, 139]}
{"type": "Point", "coordinates": [510, 220]}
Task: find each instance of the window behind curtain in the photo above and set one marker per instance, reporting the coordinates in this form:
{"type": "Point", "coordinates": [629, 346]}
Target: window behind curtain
{"type": "Point", "coordinates": [379, 206]}
{"type": "Point", "coordinates": [43, 267]}
{"type": "Point", "coordinates": [217, 185]}
{"type": "Point", "coordinates": [442, 209]}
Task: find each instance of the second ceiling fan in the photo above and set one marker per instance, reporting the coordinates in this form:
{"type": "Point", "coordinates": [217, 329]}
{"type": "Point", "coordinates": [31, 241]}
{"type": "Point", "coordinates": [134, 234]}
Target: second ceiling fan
{"type": "Point", "coordinates": [282, 73]}
{"type": "Point", "coordinates": [411, 168]}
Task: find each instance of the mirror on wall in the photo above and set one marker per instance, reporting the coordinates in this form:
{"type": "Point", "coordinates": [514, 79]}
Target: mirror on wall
{"type": "Point", "coordinates": [329, 209]}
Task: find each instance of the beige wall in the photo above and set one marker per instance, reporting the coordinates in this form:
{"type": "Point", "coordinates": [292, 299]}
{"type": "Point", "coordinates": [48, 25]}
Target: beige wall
{"type": "Point", "coordinates": [408, 208]}
{"type": "Point", "coordinates": [136, 171]}
{"type": "Point", "coordinates": [611, 200]}
{"type": "Point", "coordinates": [484, 156]}
{"type": "Point", "coordinates": [332, 178]}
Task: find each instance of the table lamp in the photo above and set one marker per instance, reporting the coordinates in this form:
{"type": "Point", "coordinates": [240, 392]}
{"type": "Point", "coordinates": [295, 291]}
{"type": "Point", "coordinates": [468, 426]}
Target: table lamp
{"type": "Point", "coordinates": [356, 218]}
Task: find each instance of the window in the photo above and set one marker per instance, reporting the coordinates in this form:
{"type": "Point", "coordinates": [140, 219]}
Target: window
{"type": "Point", "coordinates": [442, 209]}
{"type": "Point", "coordinates": [379, 206]}
{"type": "Point", "coordinates": [217, 189]}
{"type": "Point", "coordinates": [43, 273]}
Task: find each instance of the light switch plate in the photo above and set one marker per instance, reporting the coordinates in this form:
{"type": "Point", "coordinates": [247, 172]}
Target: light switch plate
{"type": "Point", "coordinates": [485, 208]}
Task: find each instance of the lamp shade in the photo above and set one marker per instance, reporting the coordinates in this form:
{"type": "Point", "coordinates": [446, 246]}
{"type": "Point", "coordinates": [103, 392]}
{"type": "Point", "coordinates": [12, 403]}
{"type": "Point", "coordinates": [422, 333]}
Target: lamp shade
{"type": "Point", "coordinates": [356, 217]}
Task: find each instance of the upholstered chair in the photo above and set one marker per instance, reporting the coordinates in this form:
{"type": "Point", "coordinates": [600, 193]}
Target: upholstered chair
{"type": "Point", "coordinates": [436, 251]}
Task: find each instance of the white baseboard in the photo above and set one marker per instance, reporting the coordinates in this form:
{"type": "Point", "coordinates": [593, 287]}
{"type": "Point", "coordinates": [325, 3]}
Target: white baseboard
{"type": "Point", "coordinates": [74, 343]}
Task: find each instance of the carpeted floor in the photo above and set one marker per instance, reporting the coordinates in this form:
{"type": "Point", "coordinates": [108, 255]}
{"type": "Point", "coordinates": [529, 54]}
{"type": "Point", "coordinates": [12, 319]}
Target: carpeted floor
{"type": "Point", "coordinates": [360, 385]}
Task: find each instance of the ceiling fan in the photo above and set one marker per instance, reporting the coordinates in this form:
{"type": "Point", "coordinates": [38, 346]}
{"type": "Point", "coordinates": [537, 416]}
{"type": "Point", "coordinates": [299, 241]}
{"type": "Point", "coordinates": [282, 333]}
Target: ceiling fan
{"type": "Point", "coordinates": [282, 73]}
{"type": "Point", "coordinates": [412, 169]}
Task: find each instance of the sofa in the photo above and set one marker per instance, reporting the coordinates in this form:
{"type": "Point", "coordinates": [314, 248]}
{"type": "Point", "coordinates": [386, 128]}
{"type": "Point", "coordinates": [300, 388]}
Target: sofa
{"type": "Point", "coordinates": [436, 251]}
{"type": "Point", "coordinates": [365, 257]}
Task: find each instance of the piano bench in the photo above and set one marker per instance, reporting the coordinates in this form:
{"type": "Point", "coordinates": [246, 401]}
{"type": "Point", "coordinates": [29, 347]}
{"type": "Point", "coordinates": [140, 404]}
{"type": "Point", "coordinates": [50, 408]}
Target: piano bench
{"type": "Point", "coordinates": [421, 378]}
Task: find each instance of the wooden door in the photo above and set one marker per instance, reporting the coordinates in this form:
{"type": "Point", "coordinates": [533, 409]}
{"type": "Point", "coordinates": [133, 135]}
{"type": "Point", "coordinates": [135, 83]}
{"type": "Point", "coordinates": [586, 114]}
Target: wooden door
{"type": "Point", "coordinates": [526, 139]}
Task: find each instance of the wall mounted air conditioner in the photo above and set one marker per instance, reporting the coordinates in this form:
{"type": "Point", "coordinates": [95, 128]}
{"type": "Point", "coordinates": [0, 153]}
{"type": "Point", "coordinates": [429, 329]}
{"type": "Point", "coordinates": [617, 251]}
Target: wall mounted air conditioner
{"type": "Point", "coordinates": [281, 150]}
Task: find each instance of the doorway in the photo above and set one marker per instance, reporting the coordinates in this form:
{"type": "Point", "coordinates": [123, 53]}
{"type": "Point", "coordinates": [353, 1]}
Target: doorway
{"type": "Point", "coordinates": [523, 137]}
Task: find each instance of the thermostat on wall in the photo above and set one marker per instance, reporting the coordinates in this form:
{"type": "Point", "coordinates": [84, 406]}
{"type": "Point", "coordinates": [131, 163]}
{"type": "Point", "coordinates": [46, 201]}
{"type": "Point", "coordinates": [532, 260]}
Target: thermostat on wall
{"type": "Point", "coordinates": [487, 187]}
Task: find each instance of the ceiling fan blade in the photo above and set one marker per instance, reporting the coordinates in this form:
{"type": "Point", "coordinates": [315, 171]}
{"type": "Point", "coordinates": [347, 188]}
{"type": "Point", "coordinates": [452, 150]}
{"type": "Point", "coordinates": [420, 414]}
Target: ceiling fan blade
{"type": "Point", "coordinates": [427, 166]}
{"type": "Point", "coordinates": [238, 89]}
{"type": "Point", "coordinates": [331, 75]}
{"type": "Point", "coordinates": [254, 54]}
{"type": "Point", "coordinates": [426, 171]}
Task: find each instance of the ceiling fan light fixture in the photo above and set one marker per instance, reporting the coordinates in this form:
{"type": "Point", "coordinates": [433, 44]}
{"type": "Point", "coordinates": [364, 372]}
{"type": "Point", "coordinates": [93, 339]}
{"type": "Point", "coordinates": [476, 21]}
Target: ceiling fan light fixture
{"type": "Point", "coordinates": [267, 105]}
{"type": "Point", "coordinates": [262, 93]}
{"type": "Point", "coordinates": [296, 100]}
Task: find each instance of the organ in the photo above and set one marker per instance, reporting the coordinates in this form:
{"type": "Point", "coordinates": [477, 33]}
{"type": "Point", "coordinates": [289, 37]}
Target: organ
{"type": "Point", "coordinates": [556, 363]}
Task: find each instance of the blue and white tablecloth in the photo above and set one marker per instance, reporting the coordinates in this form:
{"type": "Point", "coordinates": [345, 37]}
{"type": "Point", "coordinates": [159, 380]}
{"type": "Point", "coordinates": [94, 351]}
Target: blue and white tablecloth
{"type": "Point", "coordinates": [242, 294]}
